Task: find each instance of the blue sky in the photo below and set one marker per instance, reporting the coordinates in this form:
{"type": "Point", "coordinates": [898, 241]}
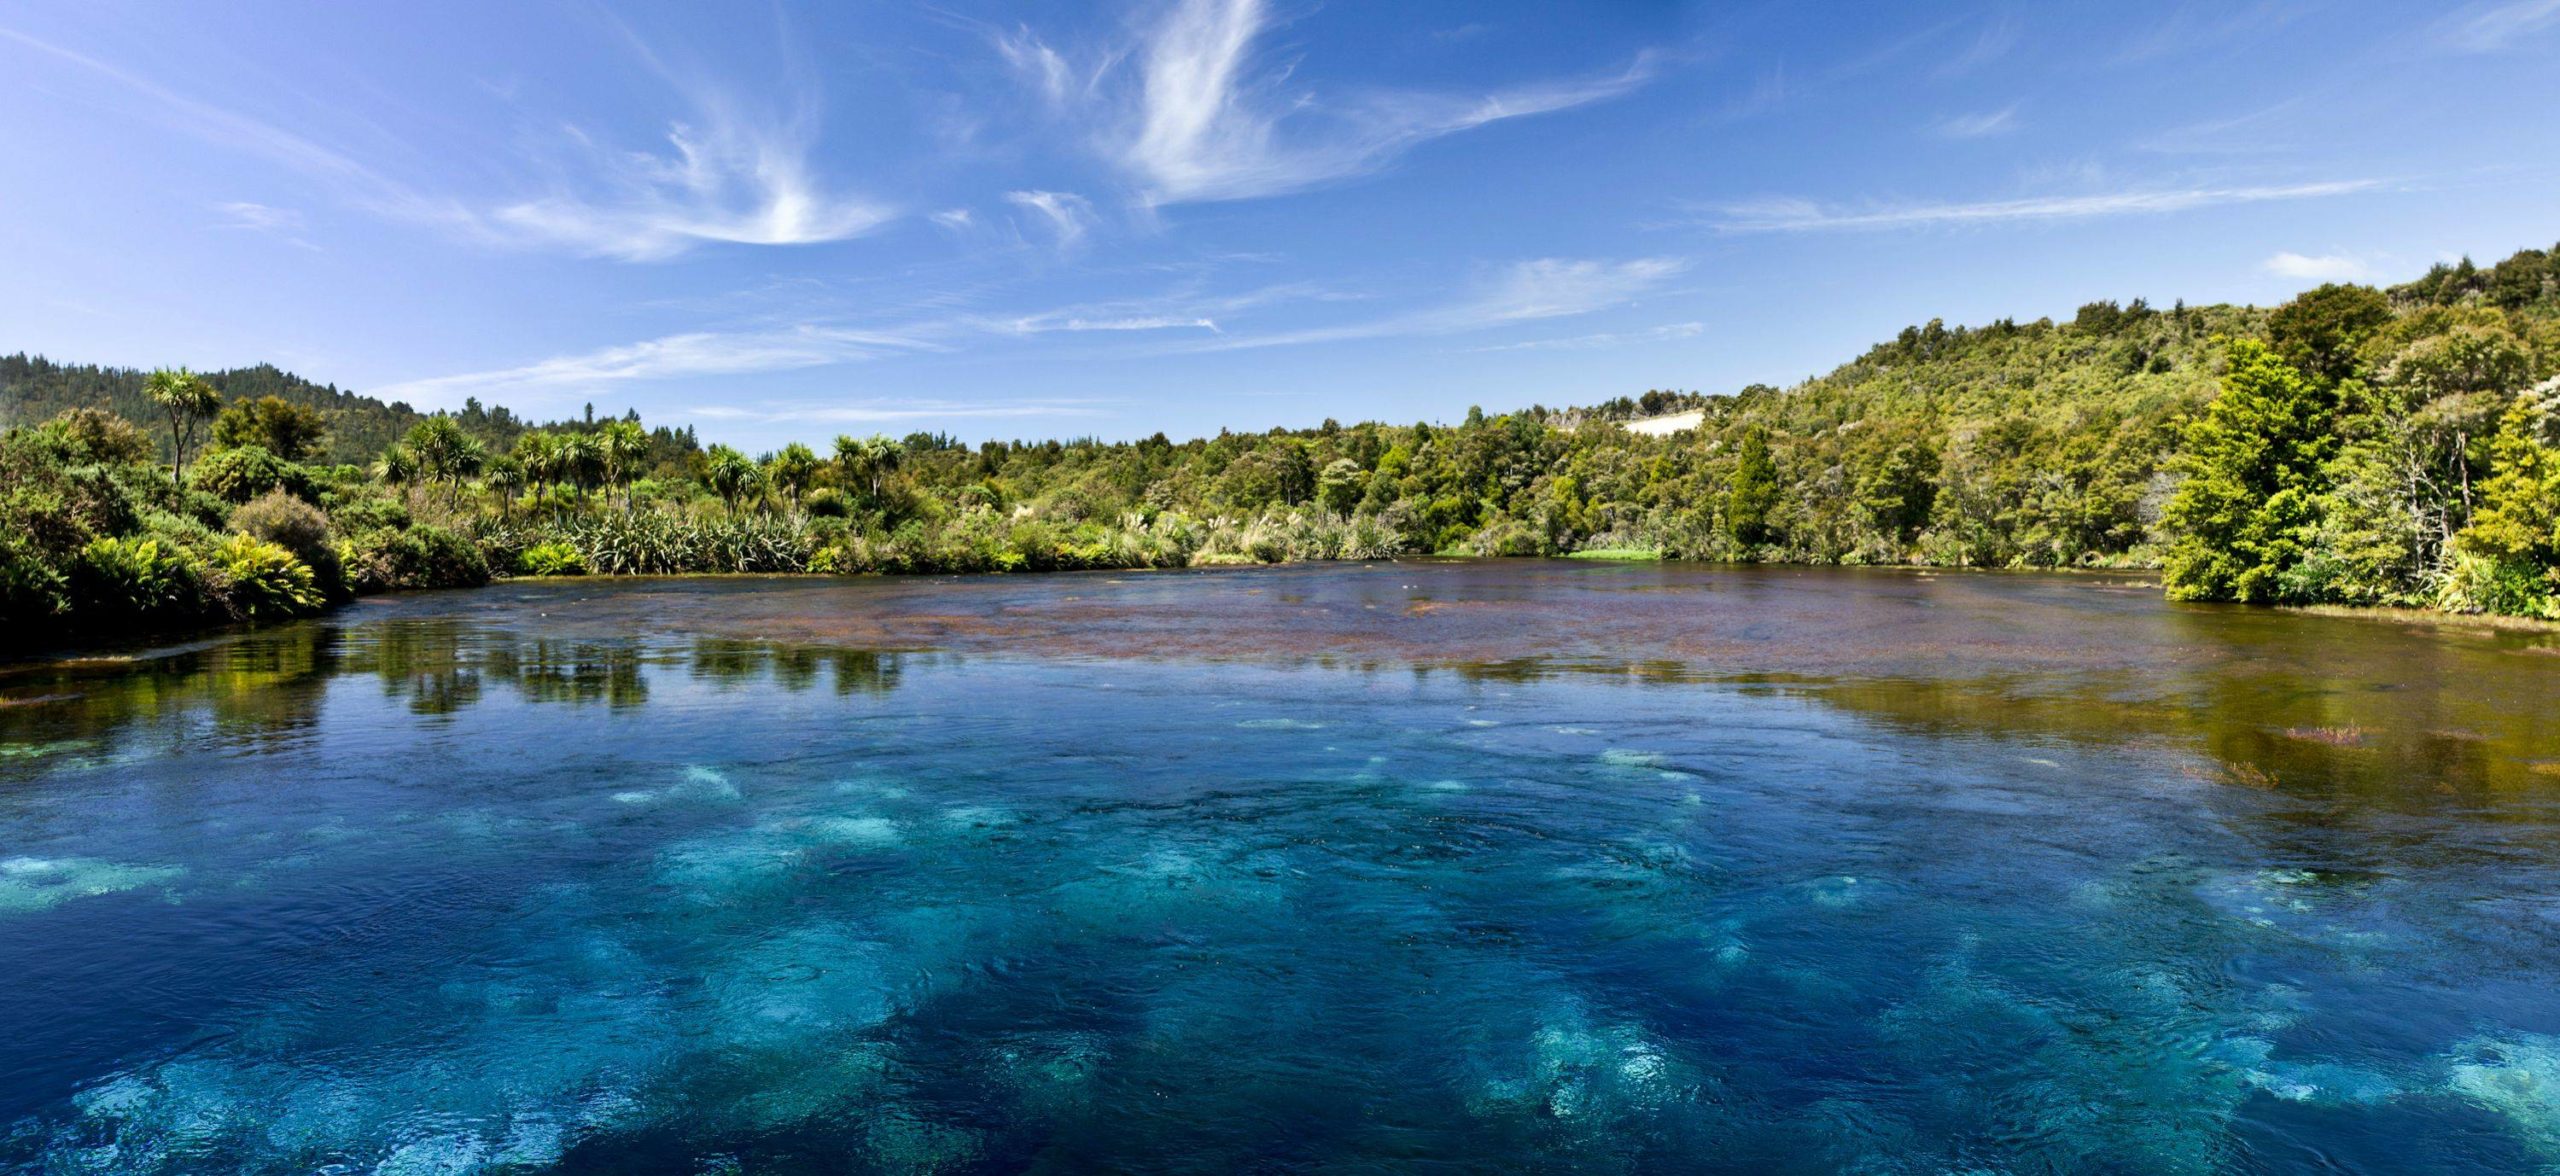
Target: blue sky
{"type": "Point", "coordinates": [1065, 219]}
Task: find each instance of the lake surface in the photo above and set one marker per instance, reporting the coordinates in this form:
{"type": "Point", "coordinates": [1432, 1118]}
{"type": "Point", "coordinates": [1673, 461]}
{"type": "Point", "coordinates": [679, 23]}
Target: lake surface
{"type": "Point", "coordinates": [1432, 866]}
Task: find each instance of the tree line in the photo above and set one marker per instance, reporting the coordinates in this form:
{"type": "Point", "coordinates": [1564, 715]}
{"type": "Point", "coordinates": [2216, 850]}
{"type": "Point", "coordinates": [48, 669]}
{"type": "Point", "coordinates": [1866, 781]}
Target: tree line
{"type": "Point", "coordinates": [2356, 445]}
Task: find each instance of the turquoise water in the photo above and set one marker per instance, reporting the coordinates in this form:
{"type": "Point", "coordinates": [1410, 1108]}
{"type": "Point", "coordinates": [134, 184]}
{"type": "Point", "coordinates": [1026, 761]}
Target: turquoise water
{"type": "Point", "coordinates": [1439, 867]}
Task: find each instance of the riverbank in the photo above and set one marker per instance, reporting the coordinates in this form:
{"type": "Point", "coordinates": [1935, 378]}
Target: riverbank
{"type": "Point", "coordinates": [114, 645]}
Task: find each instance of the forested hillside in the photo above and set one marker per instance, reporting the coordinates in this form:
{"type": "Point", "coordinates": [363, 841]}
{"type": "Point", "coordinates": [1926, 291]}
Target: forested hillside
{"type": "Point", "coordinates": [2353, 445]}
{"type": "Point", "coordinates": [356, 428]}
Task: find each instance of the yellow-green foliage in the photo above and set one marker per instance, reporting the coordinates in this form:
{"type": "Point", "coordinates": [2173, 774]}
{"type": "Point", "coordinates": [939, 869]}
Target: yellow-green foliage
{"type": "Point", "coordinates": [258, 580]}
{"type": "Point", "coordinates": [136, 579]}
{"type": "Point", "coordinates": [551, 558]}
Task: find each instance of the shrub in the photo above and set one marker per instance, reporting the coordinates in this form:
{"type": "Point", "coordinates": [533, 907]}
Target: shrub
{"type": "Point", "coordinates": [552, 558]}
{"type": "Point", "coordinates": [2479, 583]}
{"type": "Point", "coordinates": [238, 475]}
{"type": "Point", "coordinates": [30, 591]}
{"type": "Point", "coordinates": [835, 561]}
{"type": "Point", "coordinates": [101, 436]}
{"type": "Point", "coordinates": [358, 515]}
{"type": "Point", "coordinates": [257, 580]}
{"type": "Point", "coordinates": [55, 505]}
{"type": "Point", "coordinates": [132, 580]}
{"type": "Point", "coordinates": [298, 527]}
{"type": "Point", "coordinates": [419, 557]}
{"type": "Point", "coordinates": [826, 502]}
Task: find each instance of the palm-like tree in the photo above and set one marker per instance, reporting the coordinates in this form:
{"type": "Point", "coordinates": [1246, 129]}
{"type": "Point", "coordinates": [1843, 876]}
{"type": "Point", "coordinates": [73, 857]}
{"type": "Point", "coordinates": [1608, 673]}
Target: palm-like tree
{"type": "Point", "coordinates": [446, 454]}
{"type": "Point", "coordinates": [791, 471]}
{"type": "Point", "coordinates": [730, 474]}
{"type": "Point", "coordinates": [539, 458]}
{"type": "Point", "coordinates": [188, 400]}
{"type": "Point", "coordinates": [398, 466]}
{"type": "Point", "coordinates": [503, 477]}
{"type": "Point", "coordinates": [623, 445]}
{"type": "Point", "coordinates": [867, 460]}
{"type": "Point", "coordinates": [582, 461]}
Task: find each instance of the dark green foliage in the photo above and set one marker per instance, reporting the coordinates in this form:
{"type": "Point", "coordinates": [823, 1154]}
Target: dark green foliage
{"type": "Point", "coordinates": [135, 581]}
{"type": "Point", "coordinates": [299, 528]}
{"type": "Point", "coordinates": [1753, 491]}
{"type": "Point", "coordinates": [358, 515]}
{"type": "Point", "coordinates": [2529, 279]}
{"type": "Point", "coordinates": [101, 437]}
{"type": "Point", "coordinates": [238, 475]}
{"type": "Point", "coordinates": [33, 591]}
{"type": "Point", "coordinates": [415, 557]}
{"type": "Point", "coordinates": [2319, 332]}
{"type": "Point", "coordinates": [2253, 463]}
{"type": "Point", "coordinates": [290, 431]}
{"type": "Point", "coordinates": [660, 544]}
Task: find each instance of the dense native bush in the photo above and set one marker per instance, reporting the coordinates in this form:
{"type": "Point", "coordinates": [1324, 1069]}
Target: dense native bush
{"type": "Point", "coordinates": [2352, 445]}
{"type": "Point", "coordinates": [32, 588]}
{"type": "Point", "coordinates": [357, 514]}
{"type": "Point", "coordinates": [297, 527]}
{"type": "Point", "coordinates": [257, 580]}
{"type": "Point", "coordinates": [136, 581]}
{"type": "Point", "coordinates": [386, 560]}
{"type": "Point", "coordinates": [238, 475]}
{"type": "Point", "coordinates": [661, 543]}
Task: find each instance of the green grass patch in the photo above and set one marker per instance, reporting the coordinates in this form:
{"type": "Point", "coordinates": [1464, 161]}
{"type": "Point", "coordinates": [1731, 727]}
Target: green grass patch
{"type": "Point", "coordinates": [1625, 553]}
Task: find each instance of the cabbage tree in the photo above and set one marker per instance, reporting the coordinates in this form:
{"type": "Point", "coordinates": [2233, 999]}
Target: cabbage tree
{"type": "Point", "coordinates": [188, 401]}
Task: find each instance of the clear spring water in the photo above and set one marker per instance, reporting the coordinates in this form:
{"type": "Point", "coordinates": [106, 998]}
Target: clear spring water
{"type": "Point", "coordinates": [1439, 867]}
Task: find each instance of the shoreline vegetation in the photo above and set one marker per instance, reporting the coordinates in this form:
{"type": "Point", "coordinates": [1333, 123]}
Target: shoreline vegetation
{"type": "Point", "coordinates": [2355, 447]}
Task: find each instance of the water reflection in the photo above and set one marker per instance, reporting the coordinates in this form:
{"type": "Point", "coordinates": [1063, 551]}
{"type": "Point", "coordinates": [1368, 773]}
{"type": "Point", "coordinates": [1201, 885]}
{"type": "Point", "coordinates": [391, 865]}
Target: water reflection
{"type": "Point", "coordinates": [574, 671]}
{"type": "Point", "coordinates": [1722, 879]}
{"type": "Point", "coordinates": [267, 685]}
{"type": "Point", "coordinates": [254, 689]}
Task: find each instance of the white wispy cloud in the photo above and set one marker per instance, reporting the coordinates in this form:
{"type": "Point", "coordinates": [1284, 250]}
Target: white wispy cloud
{"type": "Point", "coordinates": [2333, 268]}
{"type": "Point", "coordinates": [1606, 339]}
{"type": "Point", "coordinates": [282, 223]}
{"type": "Point", "coordinates": [348, 179]}
{"type": "Point", "coordinates": [731, 174]}
{"type": "Point", "coordinates": [1191, 113]}
{"type": "Point", "coordinates": [2490, 27]}
{"type": "Point", "coordinates": [1039, 324]}
{"type": "Point", "coordinates": [726, 176]}
{"type": "Point", "coordinates": [244, 214]}
{"type": "Point", "coordinates": [694, 353]}
{"type": "Point", "coordinates": [1066, 214]}
{"type": "Point", "coordinates": [1978, 126]}
{"type": "Point", "coordinates": [818, 342]}
{"type": "Point", "coordinates": [2195, 26]}
{"type": "Point", "coordinates": [1796, 215]}
{"type": "Point", "coordinates": [886, 411]}
{"type": "Point", "coordinates": [1184, 308]}
{"type": "Point", "coordinates": [1044, 68]}
{"type": "Point", "coordinates": [1528, 291]}
{"type": "Point", "coordinates": [953, 218]}
{"type": "Point", "coordinates": [1999, 35]}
